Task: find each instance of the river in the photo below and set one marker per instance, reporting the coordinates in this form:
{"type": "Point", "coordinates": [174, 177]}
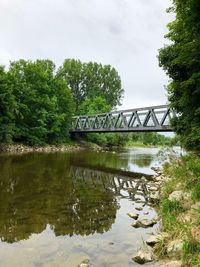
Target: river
{"type": "Point", "coordinates": [57, 209]}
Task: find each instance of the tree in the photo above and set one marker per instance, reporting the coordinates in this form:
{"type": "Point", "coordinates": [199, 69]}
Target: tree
{"type": "Point", "coordinates": [88, 80]}
{"type": "Point", "coordinates": [7, 107]}
{"type": "Point", "coordinates": [181, 61]}
{"type": "Point", "coordinates": [94, 105]}
{"type": "Point", "coordinates": [44, 103]}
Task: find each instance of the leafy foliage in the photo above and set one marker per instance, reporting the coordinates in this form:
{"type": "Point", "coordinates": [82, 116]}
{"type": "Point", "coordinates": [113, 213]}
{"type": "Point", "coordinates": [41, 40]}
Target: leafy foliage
{"type": "Point", "coordinates": [149, 138]}
{"type": "Point", "coordinates": [37, 102]}
{"type": "Point", "coordinates": [7, 107]}
{"type": "Point", "coordinates": [94, 105]}
{"type": "Point", "coordinates": [88, 80]}
{"type": "Point", "coordinates": [181, 61]}
{"type": "Point", "coordinates": [41, 103]}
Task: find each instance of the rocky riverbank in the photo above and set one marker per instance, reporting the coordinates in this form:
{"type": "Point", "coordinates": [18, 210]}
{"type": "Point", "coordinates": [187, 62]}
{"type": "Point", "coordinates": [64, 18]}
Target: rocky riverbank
{"type": "Point", "coordinates": [175, 190]}
{"type": "Point", "coordinates": [20, 148]}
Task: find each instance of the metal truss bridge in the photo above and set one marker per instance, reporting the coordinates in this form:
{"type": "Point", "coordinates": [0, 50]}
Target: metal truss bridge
{"type": "Point", "coordinates": [152, 119]}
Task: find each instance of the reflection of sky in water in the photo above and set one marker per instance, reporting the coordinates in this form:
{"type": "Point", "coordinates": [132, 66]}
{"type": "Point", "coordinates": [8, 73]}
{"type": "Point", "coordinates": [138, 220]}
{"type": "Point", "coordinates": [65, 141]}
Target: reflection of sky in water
{"type": "Point", "coordinates": [111, 249]}
{"type": "Point", "coordinates": [141, 159]}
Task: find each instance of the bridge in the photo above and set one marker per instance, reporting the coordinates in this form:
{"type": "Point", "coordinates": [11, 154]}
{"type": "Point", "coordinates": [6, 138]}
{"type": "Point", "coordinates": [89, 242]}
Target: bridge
{"type": "Point", "coordinates": [148, 119]}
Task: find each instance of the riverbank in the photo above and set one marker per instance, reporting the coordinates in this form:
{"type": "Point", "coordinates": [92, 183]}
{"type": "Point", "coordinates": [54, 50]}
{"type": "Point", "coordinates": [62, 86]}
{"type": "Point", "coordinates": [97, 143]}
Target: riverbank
{"type": "Point", "coordinates": [179, 208]}
{"type": "Point", "coordinates": [69, 147]}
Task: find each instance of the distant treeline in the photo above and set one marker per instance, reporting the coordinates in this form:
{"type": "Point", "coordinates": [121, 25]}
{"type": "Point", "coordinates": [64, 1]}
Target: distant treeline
{"type": "Point", "coordinates": [133, 139]}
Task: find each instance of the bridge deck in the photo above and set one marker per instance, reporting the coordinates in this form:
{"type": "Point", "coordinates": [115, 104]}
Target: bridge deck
{"type": "Point", "coordinates": [152, 119]}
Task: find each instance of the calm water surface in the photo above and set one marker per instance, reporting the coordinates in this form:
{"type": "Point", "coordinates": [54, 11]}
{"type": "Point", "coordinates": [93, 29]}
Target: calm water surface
{"type": "Point", "coordinates": [58, 209]}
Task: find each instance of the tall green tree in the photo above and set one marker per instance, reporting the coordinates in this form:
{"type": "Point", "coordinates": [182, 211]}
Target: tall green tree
{"type": "Point", "coordinates": [94, 105]}
{"type": "Point", "coordinates": [91, 80]}
{"type": "Point", "coordinates": [44, 103]}
{"type": "Point", "coordinates": [181, 61]}
{"type": "Point", "coordinates": [7, 108]}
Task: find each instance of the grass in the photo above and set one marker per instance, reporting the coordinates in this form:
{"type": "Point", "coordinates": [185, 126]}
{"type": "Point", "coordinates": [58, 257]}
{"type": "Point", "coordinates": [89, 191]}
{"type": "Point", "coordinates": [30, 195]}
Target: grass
{"type": "Point", "coordinates": [185, 171]}
{"type": "Point", "coordinates": [191, 253]}
{"type": "Point", "coordinates": [184, 174]}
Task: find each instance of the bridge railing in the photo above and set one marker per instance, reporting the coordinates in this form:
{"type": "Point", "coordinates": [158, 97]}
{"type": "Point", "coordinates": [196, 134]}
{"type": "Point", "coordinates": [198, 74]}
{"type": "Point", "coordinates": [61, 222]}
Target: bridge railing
{"type": "Point", "coordinates": [156, 118]}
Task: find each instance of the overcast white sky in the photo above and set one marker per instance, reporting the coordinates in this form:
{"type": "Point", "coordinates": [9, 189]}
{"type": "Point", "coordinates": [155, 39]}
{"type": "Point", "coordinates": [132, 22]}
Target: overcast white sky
{"type": "Point", "coordinates": [124, 33]}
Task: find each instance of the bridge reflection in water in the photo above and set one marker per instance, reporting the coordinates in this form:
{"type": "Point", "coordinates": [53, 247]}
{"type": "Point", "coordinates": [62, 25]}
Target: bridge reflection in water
{"type": "Point", "coordinates": [123, 186]}
{"type": "Point", "coordinates": [71, 200]}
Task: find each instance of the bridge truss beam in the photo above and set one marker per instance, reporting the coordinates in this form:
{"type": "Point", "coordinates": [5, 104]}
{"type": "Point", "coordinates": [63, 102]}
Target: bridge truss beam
{"type": "Point", "coordinates": [152, 119]}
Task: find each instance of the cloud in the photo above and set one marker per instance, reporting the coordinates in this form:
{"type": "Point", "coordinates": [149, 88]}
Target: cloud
{"type": "Point", "coordinates": [124, 33]}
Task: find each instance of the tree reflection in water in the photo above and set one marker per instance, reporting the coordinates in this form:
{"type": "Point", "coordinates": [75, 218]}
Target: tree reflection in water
{"type": "Point", "coordinates": [144, 160]}
{"type": "Point", "coordinates": [37, 190]}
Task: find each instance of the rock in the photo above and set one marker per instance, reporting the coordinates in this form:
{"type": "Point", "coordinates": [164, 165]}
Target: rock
{"type": "Point", "coordinates": [196, 233]}
{"type": "Point", "coordinates": [158, 184]}
{"type": "Point", "coordinates": [189, 216]}
{"type": "Point", "coordinates": [139, 208]}
{"type": "Point", "coordinates": [179, 196]}
{"type": "Point", "coordinates": [154, 197]}
{"type": "Point", "coordinates": [143, 223]}
{"type": "Point", "coordinates": [175, 247]}
{"type": "Point", "coordinates": [153, 188]}
{"type": "Point", "coordinates": [153, 239]}
{"type": "Point", "coordinates": [133, 215]}
{"type": "Point", "coordinates": [155, 169]}
{"type": "Point", "coordinates": [147, 223]}
{"type": "Point", "coordinates": [158, 178]}
{"type": "Point", "coordinates": [143, 179]}
{"type": "Point", "coordinates": [84, 263]}
{"type": "Point", "coordinates": [146, 212]}
{"type": "Point", "coordinates": [178, 187]}
{"type": "Point", "coordinates": [139, 201]}
{"type": "Point", "coordinates": [134, 224]}
{"type": "Point", "coordinates": [156, 218]}
{"type": "Point", "coordinates": [143, 255]}
{"type": "Point", "coordinates": [170, 264]}
{"type": "Point", "coordinates": [196, 206]}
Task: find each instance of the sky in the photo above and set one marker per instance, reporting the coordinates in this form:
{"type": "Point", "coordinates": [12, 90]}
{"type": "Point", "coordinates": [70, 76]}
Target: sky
{"type": "Point", "coordinates": [123, 33]}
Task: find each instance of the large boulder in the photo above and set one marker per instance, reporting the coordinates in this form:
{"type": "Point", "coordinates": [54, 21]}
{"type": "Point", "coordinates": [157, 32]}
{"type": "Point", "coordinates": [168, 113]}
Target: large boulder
{"type": "Point", "coordinates": [153, 240]}
{"type": "Point", "coordinates": [144, 255]}
{"type": "Point", "coordinates": [143, 223]}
